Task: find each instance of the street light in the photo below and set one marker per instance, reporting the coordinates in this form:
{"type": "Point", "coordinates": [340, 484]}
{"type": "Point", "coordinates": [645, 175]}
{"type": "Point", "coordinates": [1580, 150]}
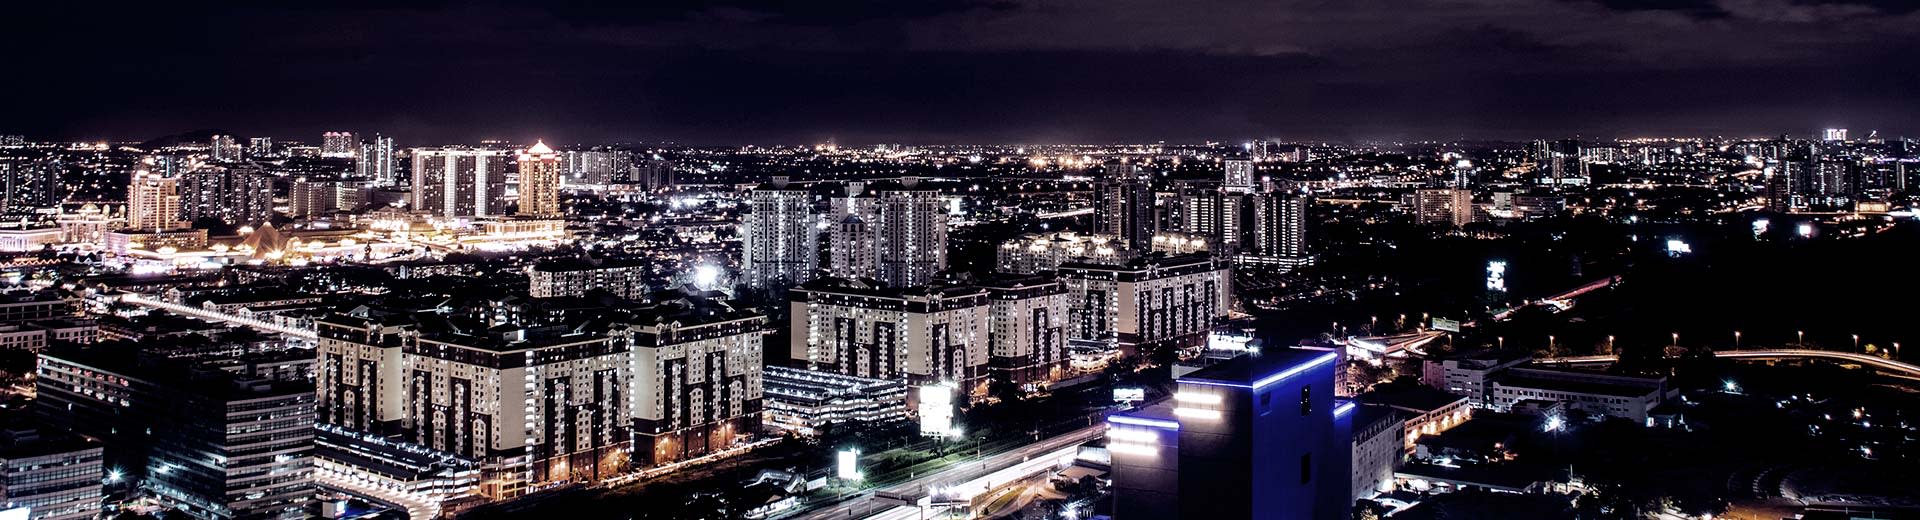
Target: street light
{"type": "Point", "coordinates": [1609, 343]}
{"type": "Point", "coordinates": [1736, 340]}
{"type": "Point", "coordinates": [1549, 342]}
{"type": "Point", "coordinates": [1856, 342]}
{"type": "Point", "coordinates": [1676, 339]}
{"type": "Point", "coordinates": [1803, 338]}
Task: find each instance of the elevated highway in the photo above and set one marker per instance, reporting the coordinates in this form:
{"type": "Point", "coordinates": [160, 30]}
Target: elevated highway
{"type": "Point", "coordinates": [1875, 362]}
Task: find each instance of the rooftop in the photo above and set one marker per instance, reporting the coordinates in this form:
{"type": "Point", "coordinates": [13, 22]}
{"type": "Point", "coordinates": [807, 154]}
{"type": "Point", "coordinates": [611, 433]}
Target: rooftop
{"type": "Point", "coordinates": [1262, 368]}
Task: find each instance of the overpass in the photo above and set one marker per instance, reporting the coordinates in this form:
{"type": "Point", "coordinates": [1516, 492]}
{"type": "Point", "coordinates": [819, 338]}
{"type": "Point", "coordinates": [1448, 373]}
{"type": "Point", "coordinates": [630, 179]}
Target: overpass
{"type": "Point", "coordinates": [1878, 363]}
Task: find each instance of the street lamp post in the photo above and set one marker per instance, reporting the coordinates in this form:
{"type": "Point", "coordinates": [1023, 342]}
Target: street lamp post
{"type": "Point", "coordinates": [1549, 343]}
{"type": "Point", "coordinates": [1736, 340]}
{"type": "Point", "coordinates": [1609, 343]}
{"type": "Point", "coordinates": [1802, 342]}
{"type": "Point", "coordinates": [1856, 342]}
{"type": "Point", "coordinates": [1676, 339]}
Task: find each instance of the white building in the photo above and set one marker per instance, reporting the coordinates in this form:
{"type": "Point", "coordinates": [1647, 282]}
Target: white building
{"type": "Point", "coordinates": [1171, 301]}
{"type": "Point", "coordinates": [918, 335]}
{"type": "Point", "coordinates": [1626, 397]}
{"type": "Point", "coordinates": [576, 276]}
{"type": "Point", "coordinates": [1028, 339]}
{"type": "Point", "coordinates": [781, 240]}
{"type": "Point", "coordinates": [697, 380]}
{"type": "Point", "coordinates": [459, 182]}
{"type": "Point", "coordinates": [895, 232]}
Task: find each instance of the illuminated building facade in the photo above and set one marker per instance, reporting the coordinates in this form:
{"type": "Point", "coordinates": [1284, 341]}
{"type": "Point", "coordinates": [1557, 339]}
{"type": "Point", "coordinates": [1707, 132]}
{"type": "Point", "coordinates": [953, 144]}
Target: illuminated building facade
{"type": "Point", "coordinates": [1123, 205]}
{"type": "Point", "coordinates": [459, 182]}
{"type": "Point", "coordinates": [1166, 301]}
{"type": "Point", "coordinates": [806, 401]}
{"type": "Point", "coordinates": [576, 276]}
{"type": "Point", "coordinates": [895, 232]}
{"type": "Point", "coordinates": [1033, 253]}
{"type": "Point", "coordinates": [781, 242]}
{"type": "Point", "coordinates": [234, 195]}
{"type": "Point", "coordinates": [153, 203]}
{"type": "Point", "coordinates": [1028, 337]}
{"type": "Point", "coordinates": [1253, 437]}
{"type": "Point", "coordinates": [529, 405]}
{"type": "Point", "coordinates": [917, 335]}
{"type": "Point", "coordinates": [539, 181]}
{"type": "Point", "coordinates": [697, 384]}
{"type": "Point", "coordinates": [339, 145]}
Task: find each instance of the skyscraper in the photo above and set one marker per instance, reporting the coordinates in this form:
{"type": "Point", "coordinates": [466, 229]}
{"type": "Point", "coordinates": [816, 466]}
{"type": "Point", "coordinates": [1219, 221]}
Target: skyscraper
{"type": "Point", "coordinates": [153, 202]}
{"type": "Point", "coordinates": [539, 181]}
{"type": "Point", "coordinates": [376, 161]}
{"type": "Point", "coordinates": [1279, 230]}
{"type": "Point", "coordinates": [224, 148]}
{"type": "Point", "coordinates": [339, 145]}
{"type": "Point", "coordinates": [459, 182]}
{"type": "Point", "coordinates": [30, 185]}
{"type": "Point", "coordinates": [235, 195]}
{"type": "Point", "coordinates": [904, 226]}
{"type": "Point", "coordinates": [782, 243]}
{"type": "Point", "coordinates": [1123, 205]}
{"type": "Point", "coordinates": [1255, 437]}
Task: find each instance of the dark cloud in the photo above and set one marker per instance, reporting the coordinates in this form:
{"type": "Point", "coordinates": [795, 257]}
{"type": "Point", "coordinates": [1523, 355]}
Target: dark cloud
{"type": "Point", "coordinates": [957, 70]}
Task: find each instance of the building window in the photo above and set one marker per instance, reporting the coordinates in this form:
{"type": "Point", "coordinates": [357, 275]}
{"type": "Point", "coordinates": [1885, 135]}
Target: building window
{"type": "Point", "coordinates": [1306, 400]}
{"type": "Point", "coordinates": [1306, 468]}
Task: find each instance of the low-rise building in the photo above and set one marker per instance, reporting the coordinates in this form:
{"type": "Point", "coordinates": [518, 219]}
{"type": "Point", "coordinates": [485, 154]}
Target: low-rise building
{"type": "Point", "coordinates": [1626, 397]}
{"type": "Point", "coordinates": [1428, 411]}
{"type": "Point", "coordinates": [1470, 373]}
{"type": "Point", "coordinates": [576, 276]}
{"type": "Point", "coordinates": [1379, 446]}
{"type": "Point", "coordinates": [805, 401]}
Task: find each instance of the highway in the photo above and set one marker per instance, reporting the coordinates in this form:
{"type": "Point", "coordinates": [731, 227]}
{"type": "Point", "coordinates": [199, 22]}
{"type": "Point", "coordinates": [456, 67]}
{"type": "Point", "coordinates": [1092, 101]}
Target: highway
{"type": "Point", "coordinates": [1906, 369]}
{"type": "Point", "coordinates": [865, 504]}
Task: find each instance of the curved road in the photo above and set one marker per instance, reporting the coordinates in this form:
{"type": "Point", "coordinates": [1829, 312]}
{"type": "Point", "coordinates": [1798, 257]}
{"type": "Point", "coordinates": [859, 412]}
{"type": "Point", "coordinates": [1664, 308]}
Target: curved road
{"type": "Point", "coordinates": [1904, 368]}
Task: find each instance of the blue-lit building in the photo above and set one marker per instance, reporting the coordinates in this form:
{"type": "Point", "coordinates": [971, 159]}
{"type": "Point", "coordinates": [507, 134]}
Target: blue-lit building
{"type": "Point", "coordinates": [1257, 437]}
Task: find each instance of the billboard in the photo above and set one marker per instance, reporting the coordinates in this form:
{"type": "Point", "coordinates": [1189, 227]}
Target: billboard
{"type": "Point", "coordinates": [936, 410]}
{"type": "Point", "coordinates": [1446, 325]}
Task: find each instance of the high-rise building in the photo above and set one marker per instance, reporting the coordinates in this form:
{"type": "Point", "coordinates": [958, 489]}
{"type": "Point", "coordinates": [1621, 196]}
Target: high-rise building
{"type": "Point", "coordinates": [376, 162]}
{"type": "Point", "coordinates": [1451, 206]}
{"type": "Point", "coordinates": [1279, 230]}
{"type": "Point", "coordinates": [1783, 188]}
{"type": "Point", "coordinates": [310, 196]}
{"type": "Point", "coordinates": [1253, 437]}
{"type": "Point", "coordinates": [1028, 338]}
{"type": "Point", "coordinates": [339, 145]}
{"type": "Point", "coordinates": [153, 202]}
{"type": "Point", "coordinates": [781, 246]}
{"type": "Point", "coordinates": [595, 167]}
{"type": "Point", "coordinates": [1149, 301]}
{"type": "Point", "coordinates": [459, 182]}
{"type": "Point", "coordinates": [696, 387]}
{"type": "Point", "coordinates": [539, 181]}
{"type": "Point", "coordinates": [259, 147]}
{"type": "Point", "coordinates": [53, 474]}
{"type": "Point", "coordinates": [918, 335]}
{"type": "Point", "coordinates": [224, 148]}
{"type": "Point", "coordinates": [1123, 205]}
{"type": "Point", "coordinates": [235, 195]}
{"type": "Point", "coordinates": [30, 185]}
{"type": "Point", "coordinates": [653, 174]}
{"type": "Point", "coordinates": [1239, 177]}
{"type": "Point", "coordinates": [528, 405]}
{"type": "Point", "coordinates": [895, 232]}
{"type": "Point", "coordinates": [211, 444]}
{"type": "Point", "coordinates": [1212, 213]}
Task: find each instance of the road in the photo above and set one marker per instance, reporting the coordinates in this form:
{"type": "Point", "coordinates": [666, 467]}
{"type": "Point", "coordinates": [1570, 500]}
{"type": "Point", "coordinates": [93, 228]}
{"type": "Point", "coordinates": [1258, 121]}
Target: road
{"type": "Point", "coordinates": [1906, 369]}
{"type": "Point", "coordinates": [865, 504]}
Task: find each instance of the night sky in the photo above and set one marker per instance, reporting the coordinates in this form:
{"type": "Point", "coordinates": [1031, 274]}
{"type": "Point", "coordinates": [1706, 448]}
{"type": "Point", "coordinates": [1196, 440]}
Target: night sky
{"type": "Point", "coordinates": [953, 71]}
